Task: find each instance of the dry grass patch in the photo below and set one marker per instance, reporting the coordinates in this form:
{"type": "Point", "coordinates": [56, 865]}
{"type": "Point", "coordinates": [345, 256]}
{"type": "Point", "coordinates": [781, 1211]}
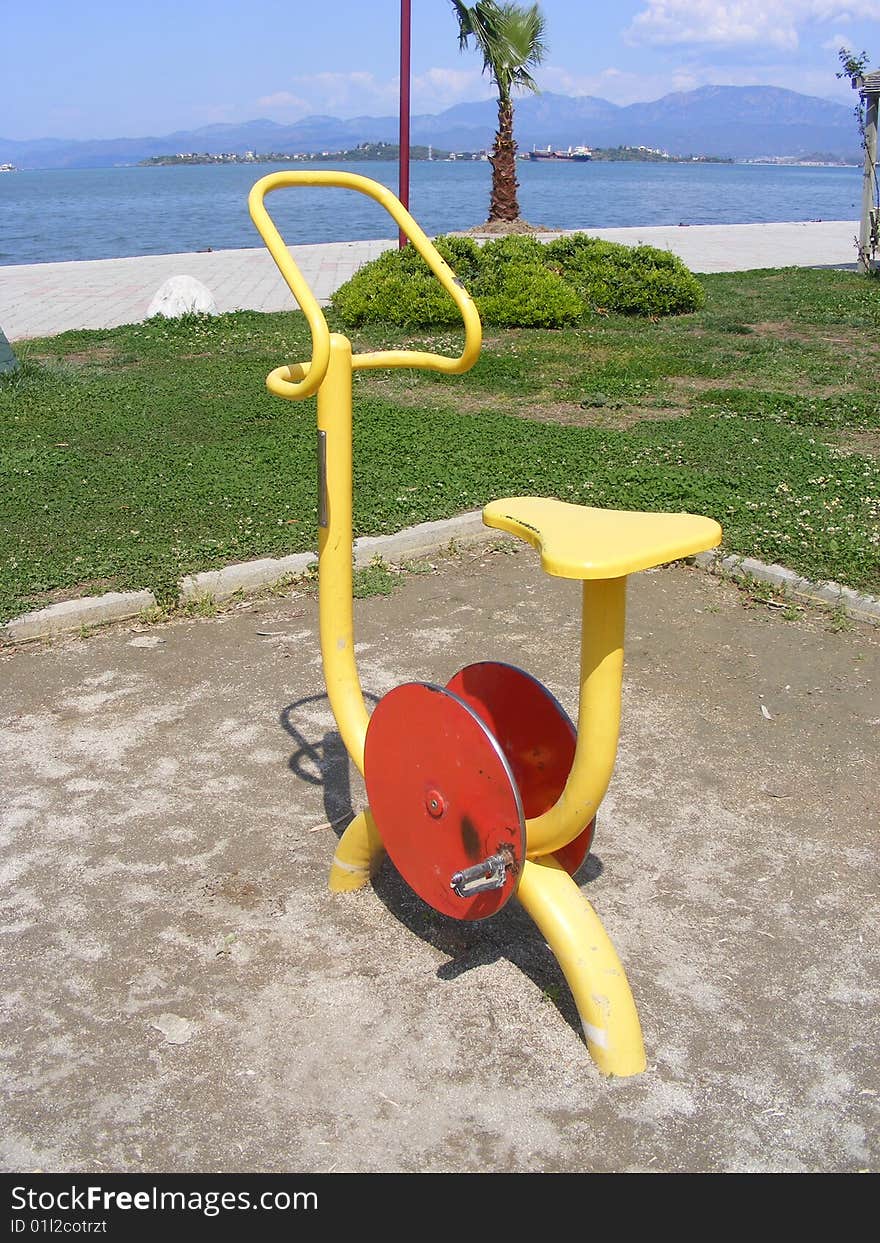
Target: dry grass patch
{"type": "Point", "coordinates": [866, 443]}
{"type": "Point", "coordinates": [854, 342]}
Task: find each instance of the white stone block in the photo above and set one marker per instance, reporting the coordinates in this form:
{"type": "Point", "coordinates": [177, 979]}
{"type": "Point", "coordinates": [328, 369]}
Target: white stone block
{"type": "Point", "coordinates": [182, 295]}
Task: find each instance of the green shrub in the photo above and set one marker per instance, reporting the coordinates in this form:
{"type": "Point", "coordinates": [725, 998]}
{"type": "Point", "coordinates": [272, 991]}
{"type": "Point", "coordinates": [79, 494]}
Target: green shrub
{"type": "Point", "coordinates": [631, 280]}
{"type": "Point", "coordinates": [655, 291]}
{"type": "Point", "coordinates": [516, 289]}
{"type": "Point", "coordinates": [497, 255]}
{"type": "Point", "coordinates": [397, 288]}
{"type": "Point", "coordinates": [517, 281]}
{"type": "Point", "coordinates": [525, 295]}
{"type": "Point", "coordinates": [463, 256]}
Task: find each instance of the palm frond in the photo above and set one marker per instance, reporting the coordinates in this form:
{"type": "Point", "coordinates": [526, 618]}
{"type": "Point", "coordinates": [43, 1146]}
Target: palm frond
{"type": "Point", "coordinates": [521, 32]}
{"type": "Point", "coordinates": [510, 38]}
{"type": "Point", "coordinates": [475, 20]}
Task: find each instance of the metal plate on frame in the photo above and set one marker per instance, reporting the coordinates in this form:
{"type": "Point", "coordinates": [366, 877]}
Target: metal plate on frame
{"type": "Point", "coordinates": [443, 798]}
{"type": "Point", "coordinates": [535, 734]}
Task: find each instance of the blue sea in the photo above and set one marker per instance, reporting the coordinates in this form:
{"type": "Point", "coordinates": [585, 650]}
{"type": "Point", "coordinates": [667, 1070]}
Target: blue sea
{"type": "Point", "coordinates": [109, 213]}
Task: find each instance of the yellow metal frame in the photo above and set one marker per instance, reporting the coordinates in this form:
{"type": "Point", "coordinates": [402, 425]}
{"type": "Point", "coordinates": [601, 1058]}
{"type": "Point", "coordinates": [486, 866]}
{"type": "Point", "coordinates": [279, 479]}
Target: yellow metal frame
{"type": "Point", "coordinates": [565, 918]}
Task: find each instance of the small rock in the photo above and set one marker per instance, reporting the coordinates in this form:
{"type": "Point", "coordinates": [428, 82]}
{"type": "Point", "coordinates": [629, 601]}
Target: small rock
{"type": "Point", "coordinates": [174, 1028]}
{"type": "Point", "coordinates": [8, 361]}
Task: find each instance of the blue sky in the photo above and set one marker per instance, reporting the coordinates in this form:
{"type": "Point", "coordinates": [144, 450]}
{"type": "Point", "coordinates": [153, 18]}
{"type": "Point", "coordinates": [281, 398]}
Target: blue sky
{"type": "Point", "coordinates": [100, 70]}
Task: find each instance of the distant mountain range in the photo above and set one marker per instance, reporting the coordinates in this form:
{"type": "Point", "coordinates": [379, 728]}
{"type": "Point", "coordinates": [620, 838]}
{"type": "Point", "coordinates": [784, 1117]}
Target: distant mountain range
{"type": "Point", "coordinates": [734, 122]}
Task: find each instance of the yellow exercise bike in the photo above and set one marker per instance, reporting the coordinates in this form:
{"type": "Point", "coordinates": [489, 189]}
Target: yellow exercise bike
{"type": "Point", "coordinates": [480, 790]}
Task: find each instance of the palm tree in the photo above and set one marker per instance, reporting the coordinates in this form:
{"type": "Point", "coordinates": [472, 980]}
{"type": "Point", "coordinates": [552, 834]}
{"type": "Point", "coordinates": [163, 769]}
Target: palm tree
{"type": "Point", "coordinates": [510, 38]}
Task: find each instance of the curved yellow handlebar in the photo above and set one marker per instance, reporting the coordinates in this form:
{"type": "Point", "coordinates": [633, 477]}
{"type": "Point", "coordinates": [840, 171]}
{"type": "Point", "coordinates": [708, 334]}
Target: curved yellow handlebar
{"type": "Point", "coordinates": [298, 380]}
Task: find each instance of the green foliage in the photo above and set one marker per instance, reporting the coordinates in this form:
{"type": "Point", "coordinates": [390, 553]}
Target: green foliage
{"type": "Point", "coordinates": [515, 289]}
{"type": "Point", "coordinates": [519, 282]}
{"type": "Point", "coordinates": [517, 249]}
{"type": "Point", "coordinates": [852, 65]}
{"type": "Point", "coordinates": [526, 297]}
{"type": "Point", "coordinates": [393, 292]}
{"type": "Point", "coordinates": [375, 579]}
{"type": "Point", "coordinates": [509, 37]}
{"type": "Point", "coordinates": [841, 410]}
{"type": "Point", "coordinates": [630, 280]}
{"type": "Point", "coordinates": [463, 255]}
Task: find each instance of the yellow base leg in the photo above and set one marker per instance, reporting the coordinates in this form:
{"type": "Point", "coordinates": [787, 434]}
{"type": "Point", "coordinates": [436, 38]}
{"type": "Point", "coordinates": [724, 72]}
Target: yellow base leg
{"type": "Point", "coordinates": [590, 964]}
{"type": "Point", "coordinates": [358, 855]}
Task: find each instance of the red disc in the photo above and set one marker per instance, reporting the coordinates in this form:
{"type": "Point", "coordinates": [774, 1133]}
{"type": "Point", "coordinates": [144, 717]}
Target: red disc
{"type": "Point", "coordinates": [536, 735]}
{"type": "Point", "coordinates": [443, 797]}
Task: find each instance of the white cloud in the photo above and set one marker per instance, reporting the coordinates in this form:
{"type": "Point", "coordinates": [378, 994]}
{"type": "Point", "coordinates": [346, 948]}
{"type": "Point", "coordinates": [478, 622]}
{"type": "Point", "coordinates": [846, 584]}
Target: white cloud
{"type": "Point", "coordinates": [623, 86]}
{"type": "Point", "coordinates": [283, 101]}
{"type": "Point", "coordinates": [337, 94]}
{"type": "Point", "coordinates": [708, 42]}
{"type": "Point", "coordinates": [346, 94]}
{"type": "Point", "coordinates": [620, 86]}
{"type": "Point", "coordinates": [441, 88]}
{"type": "Point", "coordinates": [744, 23]}
{"type": "Point", "coordinates": [361, 93]}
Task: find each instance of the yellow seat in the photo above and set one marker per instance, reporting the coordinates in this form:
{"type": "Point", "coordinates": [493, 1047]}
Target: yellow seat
{"type": "Point", "coordinates": [576, 541]}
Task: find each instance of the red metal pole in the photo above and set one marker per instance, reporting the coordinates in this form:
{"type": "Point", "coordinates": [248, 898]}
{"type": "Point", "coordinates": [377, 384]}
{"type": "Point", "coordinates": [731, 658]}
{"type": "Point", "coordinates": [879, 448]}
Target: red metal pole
{"type": "Point", "coordinates": [403, 178]}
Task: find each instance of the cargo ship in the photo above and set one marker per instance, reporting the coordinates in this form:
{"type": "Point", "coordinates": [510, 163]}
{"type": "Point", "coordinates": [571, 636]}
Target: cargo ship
{"type": "Point", "coordinates": [573, 153]}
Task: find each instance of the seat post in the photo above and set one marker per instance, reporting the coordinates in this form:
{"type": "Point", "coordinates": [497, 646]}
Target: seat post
{"type": "Point", "coordinates": [603, 619]}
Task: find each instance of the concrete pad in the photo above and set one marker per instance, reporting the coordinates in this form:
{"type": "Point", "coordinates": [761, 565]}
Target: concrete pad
{"type": "Point", "coordinates": [42, 299]}
{"type": "Point", "coordinates": [740, 247]}
{"type": "Point", "coordinates": [183, 994]}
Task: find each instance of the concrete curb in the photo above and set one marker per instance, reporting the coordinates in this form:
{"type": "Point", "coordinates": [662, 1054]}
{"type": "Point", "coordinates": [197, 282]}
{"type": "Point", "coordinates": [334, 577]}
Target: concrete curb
{"type": "Point", "coordinates": [218, 585]}
{"type": "Point", "coordinates": [863, 608]}
{"type": "Point", "coordinates": [403, 545]}
{"type": "Point", "coordinates": [70, 615]}
{"type": "Point", "coordinates": [247, 576]}
{"type": "Point", "coordinates": [423, 539]}
{"type": "Point", "coordinates": [417, 541]}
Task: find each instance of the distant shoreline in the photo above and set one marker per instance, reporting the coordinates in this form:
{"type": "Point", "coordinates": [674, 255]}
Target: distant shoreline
{"type": "Point", "coordinates": [385, 153]}
{"type": "Point", "coordinates": [375, 152]}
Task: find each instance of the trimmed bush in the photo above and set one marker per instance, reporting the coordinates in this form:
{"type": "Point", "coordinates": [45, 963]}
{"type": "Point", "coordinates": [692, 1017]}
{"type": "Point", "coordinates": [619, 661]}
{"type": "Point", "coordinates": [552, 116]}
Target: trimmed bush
{"type": "Point", "coordinates": [519, 282]}
{"type": "Point", "coordinates": [517, 248]}
{"type": "Point", "coordinates": [631, 280]}
{"type": "Point", "coordinates": [525, 295]}
{"type": "Point", "coordinates": [397, 288]}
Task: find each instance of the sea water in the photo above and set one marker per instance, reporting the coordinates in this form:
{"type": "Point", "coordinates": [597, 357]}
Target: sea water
{"type": "Point", "coordinates": [58, 215]}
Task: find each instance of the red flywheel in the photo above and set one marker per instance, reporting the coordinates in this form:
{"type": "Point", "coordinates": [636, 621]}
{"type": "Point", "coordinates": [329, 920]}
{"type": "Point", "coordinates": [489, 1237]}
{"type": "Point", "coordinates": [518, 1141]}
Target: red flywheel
{"type": "Point", "coordinates": [445, 800]}
{"type": "Point", "coordinates": [536, 735]}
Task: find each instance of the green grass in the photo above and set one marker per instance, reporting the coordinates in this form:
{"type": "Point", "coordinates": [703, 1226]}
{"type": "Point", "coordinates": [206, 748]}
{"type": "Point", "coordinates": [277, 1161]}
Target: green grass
{"type": "Point", "coordinates": [131, 457]}
{"type": "Point", "coordinates": [375, 579]}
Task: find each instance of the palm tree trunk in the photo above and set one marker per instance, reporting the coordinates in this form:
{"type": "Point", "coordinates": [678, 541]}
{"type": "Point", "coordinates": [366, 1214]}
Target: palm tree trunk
{"type": "Point", "coordinates": [503, 204]}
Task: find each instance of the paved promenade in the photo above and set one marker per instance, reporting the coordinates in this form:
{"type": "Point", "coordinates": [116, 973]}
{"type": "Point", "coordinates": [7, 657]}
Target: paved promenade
{"type": "Point", "coordinates": [42, 299]}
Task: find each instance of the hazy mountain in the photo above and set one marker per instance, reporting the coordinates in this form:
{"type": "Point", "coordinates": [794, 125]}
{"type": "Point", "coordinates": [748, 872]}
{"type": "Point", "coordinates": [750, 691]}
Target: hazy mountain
{"type": "Point", "coordinates": [731, 121]}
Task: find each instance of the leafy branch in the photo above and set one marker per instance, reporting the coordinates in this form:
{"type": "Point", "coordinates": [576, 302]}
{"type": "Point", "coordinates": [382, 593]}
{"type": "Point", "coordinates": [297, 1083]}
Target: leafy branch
{"type": "Point", "coordinates": [855, 66]}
